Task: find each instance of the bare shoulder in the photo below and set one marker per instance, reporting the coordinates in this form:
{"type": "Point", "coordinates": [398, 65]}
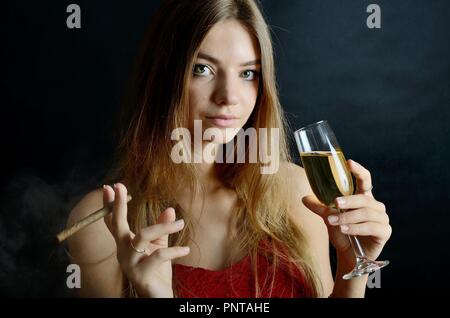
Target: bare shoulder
{"type": "Point", "coordinates": [299, 187]}
{"type": "Point", "coordinates": [297, 178]}
{"type": "Point", "coordinates": [298, 184]}
{"type": "Point", "coordinates": [94, 242]}
{"type": "Point", "coordinates": [311, 224]}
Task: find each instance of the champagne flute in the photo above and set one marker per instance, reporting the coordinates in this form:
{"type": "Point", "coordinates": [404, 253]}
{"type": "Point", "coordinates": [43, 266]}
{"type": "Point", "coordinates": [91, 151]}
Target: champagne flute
{"type": "Point", "coordinates": [326, 169]}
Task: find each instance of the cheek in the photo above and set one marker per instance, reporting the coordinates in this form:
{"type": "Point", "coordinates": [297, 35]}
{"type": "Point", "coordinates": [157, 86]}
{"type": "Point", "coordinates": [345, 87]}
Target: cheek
{"type": "Point", "coordinates": [195, 103]}
{"type": "Point", "coordinates": [250, 104]}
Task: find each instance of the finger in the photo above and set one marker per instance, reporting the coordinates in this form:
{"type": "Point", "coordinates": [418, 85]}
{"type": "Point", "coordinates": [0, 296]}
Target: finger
{"type": "Point", "coordinates": [313, 204]}
{"type": "Point", "coordinates": [108, 197]}
{"type": "Point", "coordinates": [119, 218]}
{"type": "Point", "coordinates": [165, 254]}
{"type": "Point", "coordinates": [358, 216]}
{"type": "Point", "coordinates": [362, 176]}
{"type": "Point", "coordinates": [334, 232]}
{"type": "Point", "coordinates": [359, 201]}
{"type": "Point", "coordinates": [151, 233]}
{"type": "Point", "coordinates": [167, 216]}
{"type": "Point", "coordinates": [379, 231]}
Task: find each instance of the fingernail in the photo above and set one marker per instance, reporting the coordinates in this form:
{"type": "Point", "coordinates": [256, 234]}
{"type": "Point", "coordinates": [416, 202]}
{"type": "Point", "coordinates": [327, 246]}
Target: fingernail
{"type": "Point", "coordinates": [186, 249]}
{"type": "Point", "coordinates": [341, 201]}
{"type": "Point", "coordinates": [179, 223]}
{"type": "Point", "coordinates": [104, 187]}
{"type": "Point", "coordinates": [344, 228]}
{"type": "Point", "coordinates": [115, 186]}
{"type": "Point", "coordinates": [333, 219]}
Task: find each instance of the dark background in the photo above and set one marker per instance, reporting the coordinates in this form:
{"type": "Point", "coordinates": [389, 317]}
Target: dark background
{"type": "Point", "coordinates": [384, 91]}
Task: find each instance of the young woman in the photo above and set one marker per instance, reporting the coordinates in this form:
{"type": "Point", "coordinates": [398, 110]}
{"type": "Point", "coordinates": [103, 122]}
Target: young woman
{"type": "Point", "coordinates": [198, 228]}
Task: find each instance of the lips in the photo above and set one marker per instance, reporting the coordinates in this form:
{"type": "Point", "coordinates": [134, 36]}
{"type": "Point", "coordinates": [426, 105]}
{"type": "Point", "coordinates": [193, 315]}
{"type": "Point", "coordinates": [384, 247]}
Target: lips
{"type": "Point", "coordinates": [223, 117]}
{"type": "Point", "coordinates": [222, 120]}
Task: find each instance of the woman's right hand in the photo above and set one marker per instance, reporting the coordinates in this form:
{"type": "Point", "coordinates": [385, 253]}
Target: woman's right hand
{"type": "Point", "coordinates": [149, 272]}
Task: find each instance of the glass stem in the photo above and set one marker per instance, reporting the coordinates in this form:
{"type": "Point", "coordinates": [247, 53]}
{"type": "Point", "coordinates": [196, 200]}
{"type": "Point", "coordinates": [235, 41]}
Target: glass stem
{"type": "Point", "coordinates": [356, 246]}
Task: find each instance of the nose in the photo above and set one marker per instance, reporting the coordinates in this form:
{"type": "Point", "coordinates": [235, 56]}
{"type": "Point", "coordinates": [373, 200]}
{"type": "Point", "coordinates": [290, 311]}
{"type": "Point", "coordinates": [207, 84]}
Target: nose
{"type": "Point", "coordinates": [226, 92]}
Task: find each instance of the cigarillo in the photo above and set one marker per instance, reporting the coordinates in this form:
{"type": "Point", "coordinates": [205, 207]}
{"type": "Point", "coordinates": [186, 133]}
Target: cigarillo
{"type": "Point", "coordinates": [91, 218]}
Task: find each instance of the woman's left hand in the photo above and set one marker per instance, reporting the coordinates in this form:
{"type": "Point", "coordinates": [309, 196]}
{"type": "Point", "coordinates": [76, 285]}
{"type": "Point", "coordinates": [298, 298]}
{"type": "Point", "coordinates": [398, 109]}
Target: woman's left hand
{"type": "Point", "coordinates": [364, 217]}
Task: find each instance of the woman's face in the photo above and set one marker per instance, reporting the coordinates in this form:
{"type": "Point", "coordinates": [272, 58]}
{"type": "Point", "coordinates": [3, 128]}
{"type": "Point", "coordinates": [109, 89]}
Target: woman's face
{"type": "Point", "coordinates": [225, 77]}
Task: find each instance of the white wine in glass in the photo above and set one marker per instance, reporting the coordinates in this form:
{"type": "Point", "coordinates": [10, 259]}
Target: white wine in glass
{"type": "Point", "coordinates": [329, 178]}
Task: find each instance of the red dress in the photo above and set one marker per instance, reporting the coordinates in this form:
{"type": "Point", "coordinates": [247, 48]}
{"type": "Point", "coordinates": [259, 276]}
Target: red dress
{"type": "Point", "coordinates": [237, 281]}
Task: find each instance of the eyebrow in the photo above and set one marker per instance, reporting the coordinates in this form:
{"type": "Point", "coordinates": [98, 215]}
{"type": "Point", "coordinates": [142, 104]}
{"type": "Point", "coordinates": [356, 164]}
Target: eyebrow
{"type": "Point", "coordinates": [216, 61]}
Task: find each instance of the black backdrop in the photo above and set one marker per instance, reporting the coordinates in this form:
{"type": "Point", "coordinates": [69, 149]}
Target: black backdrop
{"type": "Point", "coordinates": [385, 92]}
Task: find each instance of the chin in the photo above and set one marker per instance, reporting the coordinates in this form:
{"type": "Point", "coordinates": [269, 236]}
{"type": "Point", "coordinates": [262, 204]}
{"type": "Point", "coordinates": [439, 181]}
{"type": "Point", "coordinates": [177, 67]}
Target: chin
{"type": "Point", "coordinates": [225, 140]}
{"type": "Point", "coordinates": [221, 135]}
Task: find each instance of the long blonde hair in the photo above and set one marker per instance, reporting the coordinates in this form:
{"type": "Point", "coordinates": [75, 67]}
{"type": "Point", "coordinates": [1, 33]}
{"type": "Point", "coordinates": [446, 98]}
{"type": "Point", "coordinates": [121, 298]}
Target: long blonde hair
{"type": "Point", "coordinates": [158, 102]}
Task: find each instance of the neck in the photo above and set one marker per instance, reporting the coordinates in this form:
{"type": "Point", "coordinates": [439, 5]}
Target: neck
{"type": "Point", "coordinates": [206, 169]}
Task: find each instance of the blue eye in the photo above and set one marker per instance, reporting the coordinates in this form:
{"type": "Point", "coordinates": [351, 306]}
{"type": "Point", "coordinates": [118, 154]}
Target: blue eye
{"type": "Point", "coordinates": [250, 74]}
{"type": "Point", "coordinates": [199, 69]}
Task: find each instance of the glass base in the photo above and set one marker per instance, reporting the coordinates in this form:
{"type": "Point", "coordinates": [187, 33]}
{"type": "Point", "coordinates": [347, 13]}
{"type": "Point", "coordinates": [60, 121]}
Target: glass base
{"type": "Point", "coordinates": [365, 266]}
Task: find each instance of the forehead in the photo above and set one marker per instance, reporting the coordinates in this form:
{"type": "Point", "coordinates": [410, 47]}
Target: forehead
{"type": "Point", "coordinates": [230, 42]}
